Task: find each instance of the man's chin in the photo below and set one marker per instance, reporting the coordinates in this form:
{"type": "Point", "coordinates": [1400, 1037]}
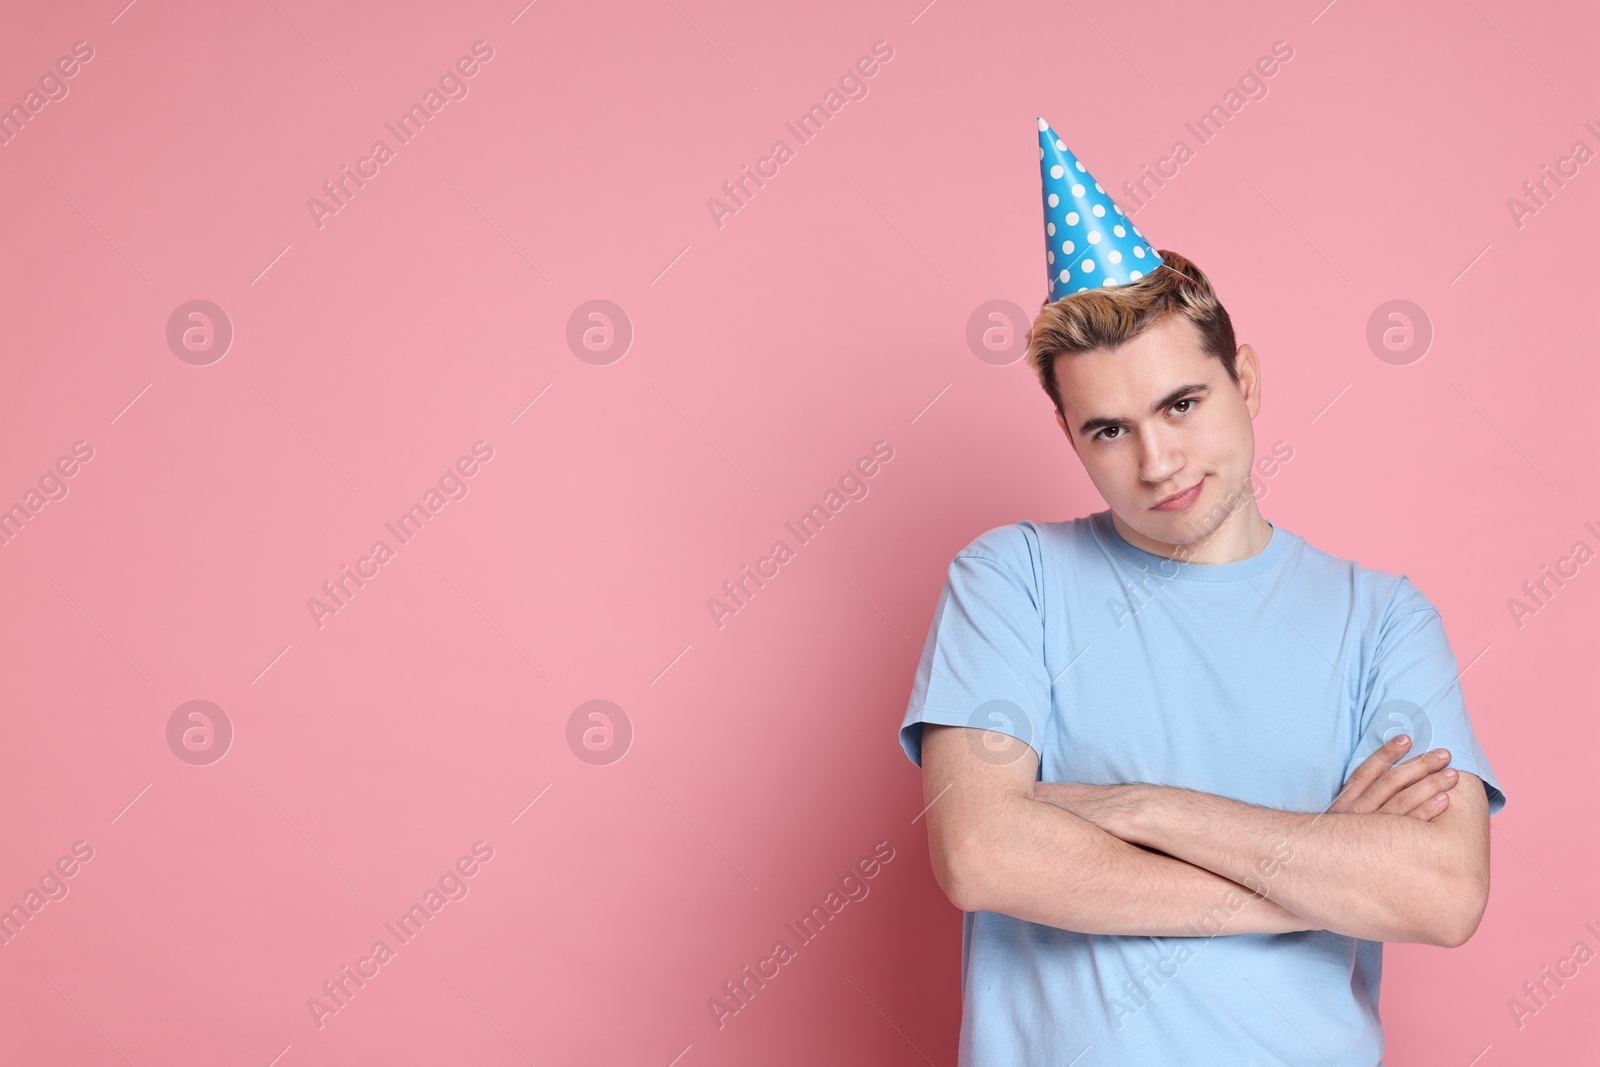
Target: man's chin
{"type": "Point", "coordinates": [1174, 533]}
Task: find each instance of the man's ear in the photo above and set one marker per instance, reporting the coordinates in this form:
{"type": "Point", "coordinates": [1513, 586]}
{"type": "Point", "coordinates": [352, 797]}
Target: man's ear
{"type": "Point", "coordinates": [1248, 366]}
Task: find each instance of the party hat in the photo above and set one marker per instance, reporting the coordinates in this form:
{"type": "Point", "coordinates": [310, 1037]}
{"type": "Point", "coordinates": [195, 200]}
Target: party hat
{"type": "Point", "coordinates": [1089, 242]}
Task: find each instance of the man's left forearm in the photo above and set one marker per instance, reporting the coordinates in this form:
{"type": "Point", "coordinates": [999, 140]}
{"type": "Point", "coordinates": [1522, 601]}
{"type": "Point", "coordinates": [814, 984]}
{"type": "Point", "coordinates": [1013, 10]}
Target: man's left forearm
{"type": "Point", "coordinates": [1376, 876]}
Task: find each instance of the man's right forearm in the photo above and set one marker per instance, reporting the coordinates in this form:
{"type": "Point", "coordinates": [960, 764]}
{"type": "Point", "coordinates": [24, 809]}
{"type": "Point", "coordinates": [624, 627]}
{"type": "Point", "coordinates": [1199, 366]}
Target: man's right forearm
{"type": "Point", "coordinates": [1043, 864]}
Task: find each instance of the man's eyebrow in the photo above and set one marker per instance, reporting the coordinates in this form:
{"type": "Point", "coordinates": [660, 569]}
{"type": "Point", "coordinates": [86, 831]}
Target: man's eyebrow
{"type": "Point", "coordinates": [1100, 423]}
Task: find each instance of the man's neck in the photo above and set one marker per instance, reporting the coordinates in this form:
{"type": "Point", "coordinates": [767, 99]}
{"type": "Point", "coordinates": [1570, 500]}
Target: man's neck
{"type": "Point", "coordinates": [1237, 537]}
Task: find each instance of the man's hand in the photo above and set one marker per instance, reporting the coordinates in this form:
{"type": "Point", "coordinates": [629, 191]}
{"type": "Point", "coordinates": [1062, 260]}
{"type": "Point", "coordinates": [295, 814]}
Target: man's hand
{"type": "Point", "coordinates": [1418, 787]}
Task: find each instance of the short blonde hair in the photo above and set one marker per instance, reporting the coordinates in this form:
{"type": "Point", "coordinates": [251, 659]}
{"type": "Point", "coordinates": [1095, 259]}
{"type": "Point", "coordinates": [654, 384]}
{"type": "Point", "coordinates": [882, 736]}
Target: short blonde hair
{"type": "Point", "coordinates": [1109, 316]}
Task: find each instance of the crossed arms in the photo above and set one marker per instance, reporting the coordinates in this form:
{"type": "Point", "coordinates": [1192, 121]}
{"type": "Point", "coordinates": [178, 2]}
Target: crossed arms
{"type": "Point", "coordinates": [1401, 855]}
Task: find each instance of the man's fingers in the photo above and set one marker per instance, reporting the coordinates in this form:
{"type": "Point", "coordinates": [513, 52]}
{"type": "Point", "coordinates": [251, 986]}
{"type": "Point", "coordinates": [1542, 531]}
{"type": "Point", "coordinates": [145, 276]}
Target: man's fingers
{"type": "Point", "coordinates": [1374, 781]}
{"type": "Point", "coordinates": [1403, 775]}
{"type": "Point", "coordinates": [1421, 799]}
{"type": "Point", "coordinates": [1369, 771]}
{"type": "Point", "coordinates": [1390, 783]}
{"type": "Point", "coordinates": [1431, 808]}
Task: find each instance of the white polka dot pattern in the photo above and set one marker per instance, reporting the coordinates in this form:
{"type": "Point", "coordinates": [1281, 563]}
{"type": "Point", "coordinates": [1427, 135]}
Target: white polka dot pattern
{"type": "Point", "coordinates": [1071, 210]}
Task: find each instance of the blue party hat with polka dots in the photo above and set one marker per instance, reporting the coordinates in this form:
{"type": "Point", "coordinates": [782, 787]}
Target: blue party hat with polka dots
{"type": "Point", "coordinates": [1089, 242]}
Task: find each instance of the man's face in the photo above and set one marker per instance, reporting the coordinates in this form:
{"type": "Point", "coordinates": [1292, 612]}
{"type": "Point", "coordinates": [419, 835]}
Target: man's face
{"type": "Point", "coordinates": [1164, 418]}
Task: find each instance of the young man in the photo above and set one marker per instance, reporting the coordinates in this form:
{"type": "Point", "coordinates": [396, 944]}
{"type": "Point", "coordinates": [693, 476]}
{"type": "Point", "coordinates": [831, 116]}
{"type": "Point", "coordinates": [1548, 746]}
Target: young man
{"type": "Point", "coordinates": [1153, 738]}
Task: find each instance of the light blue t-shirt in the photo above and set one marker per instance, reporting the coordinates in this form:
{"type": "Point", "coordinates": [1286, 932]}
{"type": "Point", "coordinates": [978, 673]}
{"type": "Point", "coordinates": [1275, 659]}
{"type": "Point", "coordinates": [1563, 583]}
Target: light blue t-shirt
{"type": "Point", "coordinates": [1268, 680]}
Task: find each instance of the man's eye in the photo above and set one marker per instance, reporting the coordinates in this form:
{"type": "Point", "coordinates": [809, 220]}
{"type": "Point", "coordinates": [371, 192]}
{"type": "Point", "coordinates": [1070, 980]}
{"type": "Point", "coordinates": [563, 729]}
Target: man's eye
{"type": "Point", "coordinates": [1188, 400]}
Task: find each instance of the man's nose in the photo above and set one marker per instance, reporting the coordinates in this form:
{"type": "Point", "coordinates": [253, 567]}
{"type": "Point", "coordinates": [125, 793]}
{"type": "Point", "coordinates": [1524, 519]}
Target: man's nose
{"type": "Point", "coordinates": [1159, 456]}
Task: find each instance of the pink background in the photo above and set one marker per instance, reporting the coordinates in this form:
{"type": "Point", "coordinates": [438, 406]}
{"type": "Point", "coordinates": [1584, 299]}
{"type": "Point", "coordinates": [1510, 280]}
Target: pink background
{"type": "Point", "coordinates": [769, 353]}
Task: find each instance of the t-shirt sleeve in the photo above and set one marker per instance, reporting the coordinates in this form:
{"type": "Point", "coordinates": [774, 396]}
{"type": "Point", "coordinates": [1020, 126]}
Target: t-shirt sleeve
{"type": "Point", "coordinates": [983, 663]}
{"type": "Point", "coordinates": [1413, 687]}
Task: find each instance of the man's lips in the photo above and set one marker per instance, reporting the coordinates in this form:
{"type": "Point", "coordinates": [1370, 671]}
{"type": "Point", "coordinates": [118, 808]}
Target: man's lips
{"type": "Point", "coordinates": [1180, 499]}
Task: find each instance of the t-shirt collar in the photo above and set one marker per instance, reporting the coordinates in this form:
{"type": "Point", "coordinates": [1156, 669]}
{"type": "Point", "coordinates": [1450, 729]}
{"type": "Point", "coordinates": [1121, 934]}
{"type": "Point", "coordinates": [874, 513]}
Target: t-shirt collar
{"type": "Point", "coordinates": [1278, 545]}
